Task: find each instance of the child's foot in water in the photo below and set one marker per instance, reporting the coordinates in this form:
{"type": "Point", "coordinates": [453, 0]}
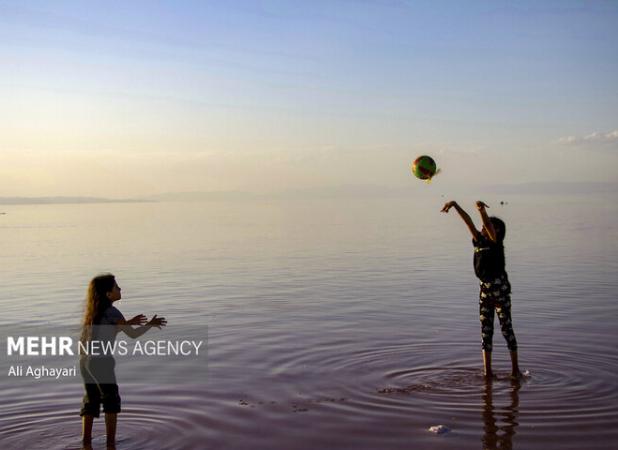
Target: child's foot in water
{"type": "Point", "coordinates": [517, 375]}
{"type": "Point", "coordinates": [489, 375]}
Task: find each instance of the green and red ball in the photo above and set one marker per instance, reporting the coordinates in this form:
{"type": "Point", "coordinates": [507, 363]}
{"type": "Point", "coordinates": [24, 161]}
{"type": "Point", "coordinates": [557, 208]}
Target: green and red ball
{"type": "Point", "coordinates": [424, 167]}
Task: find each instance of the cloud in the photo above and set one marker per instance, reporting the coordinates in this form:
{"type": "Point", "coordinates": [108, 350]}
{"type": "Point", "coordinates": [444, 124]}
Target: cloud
{"type": "Point", "coordinates": [596, 137]}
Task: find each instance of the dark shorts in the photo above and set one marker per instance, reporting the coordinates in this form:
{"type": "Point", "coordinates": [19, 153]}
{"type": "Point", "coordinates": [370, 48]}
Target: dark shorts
{"type": "Point", "coordinates": [495, 296]}
{"type": "Point", "coordinates": [100, 385]}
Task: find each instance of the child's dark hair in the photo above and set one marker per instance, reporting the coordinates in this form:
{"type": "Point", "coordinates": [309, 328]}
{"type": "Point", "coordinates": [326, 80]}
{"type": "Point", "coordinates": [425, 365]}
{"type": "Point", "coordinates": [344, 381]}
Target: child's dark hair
{"type": "Point", "coordinates": [499, 228]}
{"type": "Point", "coordinates": [96, 302]}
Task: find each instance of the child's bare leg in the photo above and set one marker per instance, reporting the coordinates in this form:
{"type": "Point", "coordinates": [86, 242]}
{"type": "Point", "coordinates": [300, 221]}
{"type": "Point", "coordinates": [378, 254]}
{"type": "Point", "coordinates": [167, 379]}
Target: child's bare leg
{"type": "Point", "coordinates": [515, 365]}
{"type": "Point", "coordinates": [487, 363]}
{"type": "Point", "coordinates": [110, 428]}
{"type": "Point", "coordinates": [87, 429]}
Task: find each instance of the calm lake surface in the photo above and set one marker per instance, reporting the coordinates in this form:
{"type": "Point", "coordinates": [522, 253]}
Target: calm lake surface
{"type": "Point", "coordinates": [331, 323]}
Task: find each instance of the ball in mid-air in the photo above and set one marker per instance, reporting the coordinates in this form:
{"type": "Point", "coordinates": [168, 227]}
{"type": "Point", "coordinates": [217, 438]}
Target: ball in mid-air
{"type": "Point", "coordinates": [424, 167]}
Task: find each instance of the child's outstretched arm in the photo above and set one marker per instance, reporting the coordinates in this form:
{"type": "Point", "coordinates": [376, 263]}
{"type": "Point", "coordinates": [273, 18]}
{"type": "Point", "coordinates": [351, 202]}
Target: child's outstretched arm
{"type": "Point", "coordinates": [464, 216]}
{"type": "Point", "coordinates": [486, 222]}
{"type": "Point", "coordinates": [127, 325]}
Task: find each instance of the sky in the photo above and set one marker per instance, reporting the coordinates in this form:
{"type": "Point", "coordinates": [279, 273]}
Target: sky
{"type": "Point", "coordinates": [121, 99]}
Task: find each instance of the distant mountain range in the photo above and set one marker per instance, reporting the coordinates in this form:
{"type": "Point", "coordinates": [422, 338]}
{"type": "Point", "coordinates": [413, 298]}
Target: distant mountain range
{"type": "Point", "coordinates": [370, 191]}
{"type": "Point", "coordinates": [555, 188]}
{"type": "Point", "coordinates": [347, 191]}
{"type": "Point", "coordinates": [60, 200]}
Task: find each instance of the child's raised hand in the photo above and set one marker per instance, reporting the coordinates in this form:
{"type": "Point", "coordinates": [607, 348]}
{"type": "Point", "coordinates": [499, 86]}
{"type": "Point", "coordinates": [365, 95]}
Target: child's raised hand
{"type": "Point", "coordinates": [157, 322]}
{"type": "Point", "coordinates": [447, 206]}
{"type": "Point", "coordinates": [140, 319]}
{"type": "Point", "coordinates": [480, 205]}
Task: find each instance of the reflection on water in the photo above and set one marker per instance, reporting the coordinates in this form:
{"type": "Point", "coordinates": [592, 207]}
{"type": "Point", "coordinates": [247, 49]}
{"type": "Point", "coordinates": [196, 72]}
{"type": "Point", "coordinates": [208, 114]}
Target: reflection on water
{"type": "Point", "coordinates": [500, 423]}
{"type": "Point", "coordinates": [347, 324]}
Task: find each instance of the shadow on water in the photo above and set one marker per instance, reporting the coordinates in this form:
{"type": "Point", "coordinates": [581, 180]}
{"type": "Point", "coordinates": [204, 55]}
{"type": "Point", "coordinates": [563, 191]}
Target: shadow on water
{"type": "Point", "coordinates": [495, 435]}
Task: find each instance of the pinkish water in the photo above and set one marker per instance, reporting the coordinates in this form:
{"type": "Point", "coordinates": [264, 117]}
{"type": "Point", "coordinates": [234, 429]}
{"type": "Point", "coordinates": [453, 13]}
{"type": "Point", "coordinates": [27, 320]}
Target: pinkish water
{"type": "Point", "coordinates": [331, 324]}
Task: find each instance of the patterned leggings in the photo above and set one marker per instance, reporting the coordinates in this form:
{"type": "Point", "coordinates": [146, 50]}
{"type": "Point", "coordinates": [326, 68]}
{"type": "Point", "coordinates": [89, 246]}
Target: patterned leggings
{"type": "Point", "coordinates": [496, 295]}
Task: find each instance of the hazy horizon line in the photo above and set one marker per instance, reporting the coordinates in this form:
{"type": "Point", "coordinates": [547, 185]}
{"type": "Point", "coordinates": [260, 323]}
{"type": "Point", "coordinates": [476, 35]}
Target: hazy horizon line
{"type": "Point", "coordinates": [347, 191]}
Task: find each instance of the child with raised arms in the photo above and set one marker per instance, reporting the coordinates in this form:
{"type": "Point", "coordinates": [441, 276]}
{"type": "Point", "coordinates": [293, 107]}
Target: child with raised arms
{"type": "Point", "coordinates": [495, 288]}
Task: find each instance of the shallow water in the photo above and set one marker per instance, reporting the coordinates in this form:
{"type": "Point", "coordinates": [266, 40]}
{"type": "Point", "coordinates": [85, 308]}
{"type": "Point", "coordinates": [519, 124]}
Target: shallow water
{"type": "Point", "coordinates": [330, 323]}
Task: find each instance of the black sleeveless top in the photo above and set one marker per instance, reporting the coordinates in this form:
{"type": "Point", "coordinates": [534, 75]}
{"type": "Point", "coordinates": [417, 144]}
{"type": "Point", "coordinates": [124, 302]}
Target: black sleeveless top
{"type": "Point", "coordinates": [488, 259]}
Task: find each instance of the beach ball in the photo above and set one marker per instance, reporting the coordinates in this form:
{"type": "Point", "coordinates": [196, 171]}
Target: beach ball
{"type": "Point", "coordinates": [424, 167]}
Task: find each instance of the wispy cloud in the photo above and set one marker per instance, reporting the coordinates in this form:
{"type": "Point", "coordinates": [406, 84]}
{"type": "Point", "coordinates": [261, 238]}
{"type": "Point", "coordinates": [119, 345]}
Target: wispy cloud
{"type": "Point", "coordinates": [610, 137]}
